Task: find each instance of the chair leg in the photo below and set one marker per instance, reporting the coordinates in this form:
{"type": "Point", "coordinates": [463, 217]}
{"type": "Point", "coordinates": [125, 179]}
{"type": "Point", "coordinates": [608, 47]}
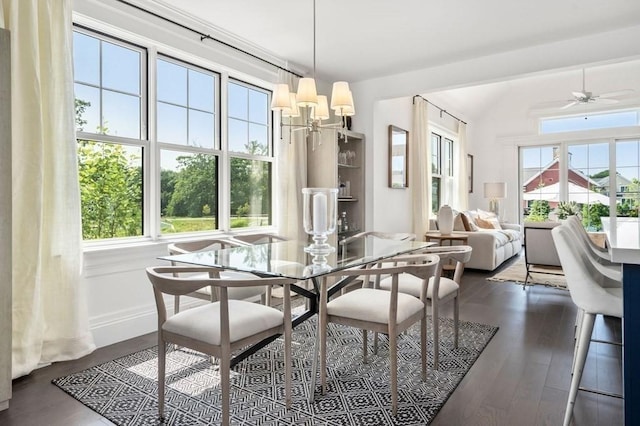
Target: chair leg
{"type": "Point", "coordinates": [435, 319]}
{"type": "Point", "coordinates": [176, 304]}
{"type": "Point", "coordinates": [267, 296]}
{"type": "Point", "coordinates": [364, 347]}
{"type": "Point", "coordinates": [578, 327]}
{"type": "Point", "coordinates": [162, 356]}
{"type": "Point", "coordinates": [393, 361]}
{"type": "Point", "coordinates": [456, 320]}
{"type": "Point", "coordinates": [375, 343]}
{"type": "Point", "coordinates": [287, 364]}
{"type": "Point", "coordinates": [526, 277]}
{"type": "Point", "coordinates": [581, 357]}
{"type": "Point", "coordinates": [423, 346]}
{"type": "Point", "coordinates": [225, 366]}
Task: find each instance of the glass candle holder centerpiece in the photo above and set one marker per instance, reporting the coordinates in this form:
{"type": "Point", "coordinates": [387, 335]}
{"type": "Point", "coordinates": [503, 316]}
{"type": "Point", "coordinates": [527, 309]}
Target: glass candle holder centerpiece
{"type": "Point", "coordinates": [320, 212]}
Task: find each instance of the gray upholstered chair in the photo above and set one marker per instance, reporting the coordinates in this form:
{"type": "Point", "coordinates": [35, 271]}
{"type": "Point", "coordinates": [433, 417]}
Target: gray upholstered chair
{"type": "Point", "coordinates": [205, 292]}
{"type": "Point", "coordinates": [440, 290]}
{"type": "Point", "coordinates": [381, 311]}
{"type": "Point", "coordinates": [539, 249]}
{"type": "Point", "coordinates": [587, 293]}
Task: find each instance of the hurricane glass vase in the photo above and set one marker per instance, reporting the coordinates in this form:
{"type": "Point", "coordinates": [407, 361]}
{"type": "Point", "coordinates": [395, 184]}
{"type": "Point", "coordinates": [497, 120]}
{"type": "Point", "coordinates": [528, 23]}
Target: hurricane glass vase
{"type": "Point", "coordinates": [320, 212]}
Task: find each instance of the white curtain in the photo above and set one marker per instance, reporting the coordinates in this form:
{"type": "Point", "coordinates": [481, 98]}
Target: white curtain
{"type": "Point", "coordinates": [420, 167]}
{"type": "Point", "coordinates": [49, 305]}
{"type": "Point", "coordinates": [292, 174]}
{"type": "Point", "coordinates": [461, 193]}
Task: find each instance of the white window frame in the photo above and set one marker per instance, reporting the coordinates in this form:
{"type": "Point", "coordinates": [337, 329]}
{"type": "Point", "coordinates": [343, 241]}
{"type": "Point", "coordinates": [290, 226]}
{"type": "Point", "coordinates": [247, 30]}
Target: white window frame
{"type": "Point", "coordinates": [151, 148]}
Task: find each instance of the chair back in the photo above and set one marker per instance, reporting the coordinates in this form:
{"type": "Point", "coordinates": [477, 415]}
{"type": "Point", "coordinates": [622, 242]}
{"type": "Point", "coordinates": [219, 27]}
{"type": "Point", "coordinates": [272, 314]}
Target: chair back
{"type": "Point", "coordinates": [458, 254]}
{"type": "Point", "coordinates": [576, 225]}
{"type": "Point", "coordinates": [397, 236]}
{"type": "Point", "coordinates": [261, 238]}
{"type": "Point", "coordinates": [423, 266]}
{"type": "Point", "coordinates": [582, 276]}
{"type": "Point", "coordinates": [167, 280]}
{"type": "Point", "coordinates": [183, 247]}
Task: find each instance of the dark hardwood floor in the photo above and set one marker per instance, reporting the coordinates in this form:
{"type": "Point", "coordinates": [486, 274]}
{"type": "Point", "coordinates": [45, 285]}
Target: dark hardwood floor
{"type": "Point", "coordinates": [521, 378]}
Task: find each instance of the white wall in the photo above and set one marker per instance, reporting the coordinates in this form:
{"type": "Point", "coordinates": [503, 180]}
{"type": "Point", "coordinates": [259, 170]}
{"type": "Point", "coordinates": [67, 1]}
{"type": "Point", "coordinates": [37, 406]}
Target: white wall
{"type": "Point", "coordinates": [120, 299]}
{"type": "Point", "coordinates": [492, 160]}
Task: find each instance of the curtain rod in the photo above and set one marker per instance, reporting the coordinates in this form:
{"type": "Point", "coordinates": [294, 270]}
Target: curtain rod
{"type": "Point", "coordinates": [204, 36]}
{"type": "Point", "coordinates": [441, 110]}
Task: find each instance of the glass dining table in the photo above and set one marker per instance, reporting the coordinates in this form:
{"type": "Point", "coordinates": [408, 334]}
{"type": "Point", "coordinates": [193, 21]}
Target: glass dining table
{"type": "Point", "coordinates": [290, 260]}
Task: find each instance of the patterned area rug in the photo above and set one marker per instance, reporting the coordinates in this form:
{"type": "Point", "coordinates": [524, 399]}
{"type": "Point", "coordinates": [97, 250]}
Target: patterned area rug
{"type": "Point", "coordinates": [124, 390]}
{"type": "Point", "coordinates": [551, 277]}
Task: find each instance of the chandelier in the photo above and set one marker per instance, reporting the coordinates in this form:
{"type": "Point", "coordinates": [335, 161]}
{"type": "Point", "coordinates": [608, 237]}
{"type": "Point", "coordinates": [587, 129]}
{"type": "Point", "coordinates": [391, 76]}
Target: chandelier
{"type": "Point", "coordinates": [306, 102]}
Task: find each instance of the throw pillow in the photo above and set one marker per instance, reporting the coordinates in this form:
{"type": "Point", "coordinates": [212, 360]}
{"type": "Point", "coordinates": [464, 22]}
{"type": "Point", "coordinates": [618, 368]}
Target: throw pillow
{"type": "Point", "coordinates": [465, 222]}
{"type": "Point", "coordinates": [490, 217]}
{"type": "Point", "coordinates": [484, 223]}
{"type": "Point", "coordinates": [471, 216]}
{"type": "Point", "coordinates": [458, 222]}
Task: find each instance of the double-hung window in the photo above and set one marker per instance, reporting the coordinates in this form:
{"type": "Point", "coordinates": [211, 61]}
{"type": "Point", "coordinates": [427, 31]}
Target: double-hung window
{"type": "Point", "coordinates": [187, 138]}
{"type": "Point", "coordinates": [188, 150]}
{"type": "Point", "coordinates": [442, 171]}
{"type": "Point", "coordinates": [112, 134]}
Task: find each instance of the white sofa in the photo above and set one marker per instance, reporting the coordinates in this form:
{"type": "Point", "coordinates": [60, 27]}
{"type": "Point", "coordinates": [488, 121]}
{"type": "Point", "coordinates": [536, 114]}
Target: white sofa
{"type": "Point", "coordinates": [491, 247]}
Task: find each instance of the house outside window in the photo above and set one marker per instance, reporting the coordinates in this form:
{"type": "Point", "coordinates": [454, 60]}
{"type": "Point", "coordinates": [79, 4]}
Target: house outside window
{"type": "Point", "coordinates": [590, 178]}
{"type": "Point", "coordinates": [163, 163]}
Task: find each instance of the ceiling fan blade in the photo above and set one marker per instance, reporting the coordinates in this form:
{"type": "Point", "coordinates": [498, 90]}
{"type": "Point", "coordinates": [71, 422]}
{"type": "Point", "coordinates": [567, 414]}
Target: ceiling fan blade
{"type": "Point", "coordinates": [621, 92]}
{"type": "Point", "coordinates": [605, 101]}
{"type": "Point", "coordinates": [582, 94]}
{"type": "Point", "coordinates": [570, 104]}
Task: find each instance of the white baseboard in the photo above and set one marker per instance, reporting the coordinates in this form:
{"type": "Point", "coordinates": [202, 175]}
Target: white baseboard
{"type": "Point", "coordinates": [127, 324]}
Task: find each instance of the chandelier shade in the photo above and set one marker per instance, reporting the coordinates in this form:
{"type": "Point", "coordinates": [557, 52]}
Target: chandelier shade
{"type": "Point", "coordinates": [281, 98]}
{"type": "Point", "coordinates": [313, 107]}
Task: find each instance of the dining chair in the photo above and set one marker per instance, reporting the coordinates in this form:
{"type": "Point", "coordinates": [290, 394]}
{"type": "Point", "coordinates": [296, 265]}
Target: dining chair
{"type": "Point", "coordinates": [381, 311]}
{"type": "Point", "coordinates": [589, 296]}
{"type": "Point", "coordinates": [249, 292]}
{"type": "Point", "coordinates": [440, 290]}
{"type": "Point", "coordinates": [220, 327]}
{"type": "Point", "coordinates": [362, 238]}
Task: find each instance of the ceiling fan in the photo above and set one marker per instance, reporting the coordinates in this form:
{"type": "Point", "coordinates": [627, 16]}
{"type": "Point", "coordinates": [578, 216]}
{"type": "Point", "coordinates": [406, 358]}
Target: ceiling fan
{"type": "Point", "coordinates": [584, 97]}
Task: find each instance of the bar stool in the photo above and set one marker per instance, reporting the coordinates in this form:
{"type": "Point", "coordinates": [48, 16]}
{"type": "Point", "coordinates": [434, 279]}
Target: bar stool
{"type": "Point", "coordinates": [589, 296]}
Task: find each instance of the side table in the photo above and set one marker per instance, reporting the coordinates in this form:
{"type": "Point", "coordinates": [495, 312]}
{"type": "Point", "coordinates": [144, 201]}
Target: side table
{"type": "Point", "coordinates": [442, 238]}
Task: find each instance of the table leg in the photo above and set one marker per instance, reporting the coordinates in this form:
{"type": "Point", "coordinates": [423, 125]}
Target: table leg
{"type": "Point", "coordinates": [316, 346]}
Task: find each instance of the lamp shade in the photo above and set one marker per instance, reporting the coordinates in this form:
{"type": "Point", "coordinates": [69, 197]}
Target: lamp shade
{"type": "Point", "coordinates": [340, 97]}
{"type": "Point", "coordinates": [293, 111]}
{"type": "Point", "coordinates": [281, 99]}
{"type": "Point", "coordinates": [307, 94]}
{"type": "Point", "coordinates": [321, 111]}
{"type": "Point", "coordinates": [347, 110]}
{"type": "Point", "coordinates": [495, 190]}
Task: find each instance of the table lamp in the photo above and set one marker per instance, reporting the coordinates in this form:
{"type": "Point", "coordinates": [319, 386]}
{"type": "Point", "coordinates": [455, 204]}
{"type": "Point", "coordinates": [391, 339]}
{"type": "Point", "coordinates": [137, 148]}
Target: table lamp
{"type": "Point", "coordinates": [495, 191]}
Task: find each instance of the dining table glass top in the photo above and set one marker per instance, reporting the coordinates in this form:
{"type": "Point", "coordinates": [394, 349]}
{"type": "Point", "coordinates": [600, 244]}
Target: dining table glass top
{"type": "Point", "coordinates": [289, 258]}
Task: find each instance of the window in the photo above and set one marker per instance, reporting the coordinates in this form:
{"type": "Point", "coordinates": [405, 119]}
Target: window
{"type": "Point", "coordinates": [135, 184]}
{"type": "Point", "coordinates": [436, 171]}
{"type": "Point", "coordinates": [187, 140]}
{"type": "Point", "coordinates": [111, 137]}
{"type": "Point", "coordinates": [590, 121]}
{"type": "Point", "coordinates": [585, 181]}
{"type": "Point", "coordinates": [442, 171]}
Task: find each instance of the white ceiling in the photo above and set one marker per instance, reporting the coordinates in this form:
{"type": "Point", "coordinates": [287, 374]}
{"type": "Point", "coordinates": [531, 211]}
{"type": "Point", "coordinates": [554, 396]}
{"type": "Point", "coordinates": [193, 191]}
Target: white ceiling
{"type": "Point", "coordinates": [362, 39]}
